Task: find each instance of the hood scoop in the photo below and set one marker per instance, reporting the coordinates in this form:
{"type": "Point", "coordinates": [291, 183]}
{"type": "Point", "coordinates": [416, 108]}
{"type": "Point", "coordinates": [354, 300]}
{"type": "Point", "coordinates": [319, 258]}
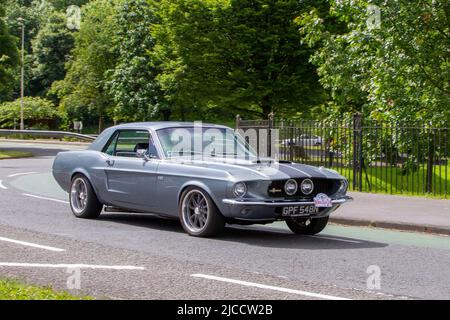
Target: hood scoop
{"type": "Point", "coordinates": [269, 161]}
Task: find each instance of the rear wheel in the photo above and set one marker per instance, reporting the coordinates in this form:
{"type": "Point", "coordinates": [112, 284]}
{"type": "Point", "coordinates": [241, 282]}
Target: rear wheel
{"type": "Point", "coordinates": [307, 226]}
{"type": "Point", "coordinates": [83, 200]}
{"type": "Point", "coordinates": [199, 215]}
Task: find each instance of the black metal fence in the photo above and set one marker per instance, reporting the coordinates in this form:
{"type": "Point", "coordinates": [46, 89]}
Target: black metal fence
{"type": "Point", "coordinates": [395, 158]}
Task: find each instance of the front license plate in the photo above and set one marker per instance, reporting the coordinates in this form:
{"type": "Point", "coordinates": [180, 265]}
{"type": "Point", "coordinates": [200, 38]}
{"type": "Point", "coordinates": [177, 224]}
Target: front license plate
{"type": "Point", "coordinates": [299, 210]}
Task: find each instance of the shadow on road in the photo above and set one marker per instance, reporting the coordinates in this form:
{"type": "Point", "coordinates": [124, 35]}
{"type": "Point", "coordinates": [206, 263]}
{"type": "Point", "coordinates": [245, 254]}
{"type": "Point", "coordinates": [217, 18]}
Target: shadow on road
{"type": "Point", "coordinates": [252, 235]}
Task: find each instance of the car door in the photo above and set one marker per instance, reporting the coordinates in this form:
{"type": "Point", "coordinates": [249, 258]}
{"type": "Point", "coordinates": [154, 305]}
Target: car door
{"type": "Point", "coordinates": [130, 180]}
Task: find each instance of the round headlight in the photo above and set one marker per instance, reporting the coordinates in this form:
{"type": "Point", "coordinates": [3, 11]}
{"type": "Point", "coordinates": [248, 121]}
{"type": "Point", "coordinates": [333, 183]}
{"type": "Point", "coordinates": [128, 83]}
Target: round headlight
{"type": "Point", "coordinates": [290, 187]}
{"type": "Point", "coordinates": [240, 189]}
{"type": "Point", "coordinates": [307, 186]}
{"type": "Point", "coordinates": [343, 186]}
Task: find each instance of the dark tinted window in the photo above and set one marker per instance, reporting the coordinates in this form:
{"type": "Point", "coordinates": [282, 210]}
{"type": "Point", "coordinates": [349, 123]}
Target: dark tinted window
{"type": "Point", "coordinates": [130, 141]}
{"type": "Point", "coordinates": [126, 143]}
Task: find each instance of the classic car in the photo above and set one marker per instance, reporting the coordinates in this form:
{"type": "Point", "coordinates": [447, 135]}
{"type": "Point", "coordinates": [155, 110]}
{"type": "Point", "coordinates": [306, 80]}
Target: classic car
{"type": "Point", "coordinates": [205, 176]}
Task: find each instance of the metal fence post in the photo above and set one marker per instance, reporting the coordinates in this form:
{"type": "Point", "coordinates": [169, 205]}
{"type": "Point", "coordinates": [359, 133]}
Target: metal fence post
{"type": "Point", "coordinates": [270, 125]}
{"type": "Point", "coordinates": [238, 121]}
{"type": "Point", "coordinates": [356, 149]}
{"type": "Point", "coordinates": [430, 160]}
{"type": "Point", "coordinates": [360, 154]}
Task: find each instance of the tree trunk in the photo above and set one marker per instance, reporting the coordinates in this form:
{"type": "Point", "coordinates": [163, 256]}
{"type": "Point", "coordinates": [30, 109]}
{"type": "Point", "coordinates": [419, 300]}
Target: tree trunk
{"type": "Point", "coordinates": [183, 116]}
{"type": "Point", "coordinates": [100, 123]}
{"type": "Point", "coordinates": [265, 106]}
{"type": "Point", "coordinates": [166, 113]}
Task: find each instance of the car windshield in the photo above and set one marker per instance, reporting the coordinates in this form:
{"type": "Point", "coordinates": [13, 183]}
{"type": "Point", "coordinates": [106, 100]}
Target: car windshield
{"type": "Point", "coordinates": [204, 141]}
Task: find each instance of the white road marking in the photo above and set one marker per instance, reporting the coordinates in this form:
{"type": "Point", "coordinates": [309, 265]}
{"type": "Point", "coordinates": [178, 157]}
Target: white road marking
{"type": "Point", "coordinates": [29, 244]}
{"type": "Point", "coordinates": [68, 265]}
{"type": "Point", "coordinates": [45, 198]}
{"type": "Point", "coordinates": [20, 174]}
{"type": "Point", "coordinates": [2, 186]}
{"type": "Point", "coordinates": [263, 286]}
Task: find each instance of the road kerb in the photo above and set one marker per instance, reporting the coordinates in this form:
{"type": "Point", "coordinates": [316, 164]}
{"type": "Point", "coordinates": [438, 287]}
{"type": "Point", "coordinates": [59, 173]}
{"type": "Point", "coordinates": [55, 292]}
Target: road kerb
{"type": "Point", "coordinates": [392, 225]}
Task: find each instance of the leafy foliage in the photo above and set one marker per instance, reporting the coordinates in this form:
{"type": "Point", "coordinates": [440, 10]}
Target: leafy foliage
{"type": "Point", "coordinates": [9, 56]}
{"type": "Point", "coordinates": [397, 70]}
{"type": "Point", "coordinates": [132, 83]}
{"type": "Point", "coordinates": [34, 109]}
{"type": "Point", "coordinates": [235, 56]}
{"type": "Point", "coordinates": [51, 50]}
{"type": "Point", "coordinates": [137, 60]}
{"type": "Point", "coordinates": [83, 92]}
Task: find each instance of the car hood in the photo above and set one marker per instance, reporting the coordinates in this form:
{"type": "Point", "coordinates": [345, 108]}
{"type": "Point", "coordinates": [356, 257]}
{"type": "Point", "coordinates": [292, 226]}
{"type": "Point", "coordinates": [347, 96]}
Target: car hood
{"type": "Point", "coordinates": [264, 169]}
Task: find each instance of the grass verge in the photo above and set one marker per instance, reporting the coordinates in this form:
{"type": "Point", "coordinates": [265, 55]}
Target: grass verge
{"type": "Point", "coordinates": [11, 154]}
{"type": "Point", "coordinates": [13, 290]}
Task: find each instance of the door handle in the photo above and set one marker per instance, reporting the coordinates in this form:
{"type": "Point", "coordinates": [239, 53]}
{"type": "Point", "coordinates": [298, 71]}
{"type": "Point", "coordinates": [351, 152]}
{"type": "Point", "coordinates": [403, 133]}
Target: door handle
{"type": "Point", "coordinates": [110, 162]}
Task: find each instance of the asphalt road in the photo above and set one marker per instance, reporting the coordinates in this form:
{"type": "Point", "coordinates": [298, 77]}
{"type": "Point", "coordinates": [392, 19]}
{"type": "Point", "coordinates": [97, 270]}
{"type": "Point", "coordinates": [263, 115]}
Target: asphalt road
{"type": "Point", "coordinates": [129, 256]}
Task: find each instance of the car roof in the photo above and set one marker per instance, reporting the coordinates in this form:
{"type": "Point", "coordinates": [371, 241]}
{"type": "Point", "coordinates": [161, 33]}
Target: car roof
{"type": "Point", "coordinates": [103, 138]}
{"type": "Point", "coordinates": [156, 125]}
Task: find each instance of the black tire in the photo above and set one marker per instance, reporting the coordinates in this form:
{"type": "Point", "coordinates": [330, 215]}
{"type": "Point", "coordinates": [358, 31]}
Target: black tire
{"type": "Point", "coordinates": [300, 227]}
{"type": "Point", "coordinates": [214, 222]}
{"type": "Point", "coordinates": [90, 208]}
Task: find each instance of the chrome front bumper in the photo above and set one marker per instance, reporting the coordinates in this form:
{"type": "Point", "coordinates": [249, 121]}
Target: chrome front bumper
{"type": "Point", "coordinates": [279, 203]}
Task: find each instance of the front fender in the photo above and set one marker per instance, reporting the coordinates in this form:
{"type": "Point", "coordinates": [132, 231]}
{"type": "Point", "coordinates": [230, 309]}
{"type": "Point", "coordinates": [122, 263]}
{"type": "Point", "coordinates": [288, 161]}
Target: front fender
{"type": "Point", "coordinates": [215, 188]}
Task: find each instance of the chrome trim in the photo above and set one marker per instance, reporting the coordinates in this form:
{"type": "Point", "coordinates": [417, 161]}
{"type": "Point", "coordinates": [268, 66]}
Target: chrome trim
{"type": "Point", "coordinates": [296, 187]}
{"type": "Point", "coordinates": [281, 203]}
{"type": "Point", "coordinates": [245, 187]}
{"type": "Point", "coordinates": [312, 187]}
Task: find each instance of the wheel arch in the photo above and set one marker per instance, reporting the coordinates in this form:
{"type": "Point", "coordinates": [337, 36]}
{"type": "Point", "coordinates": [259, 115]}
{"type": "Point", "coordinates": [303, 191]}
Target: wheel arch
{"type": "Point", "coordinates": [85, 173]}
{"type": "Point", "coordinates": [201, 185]}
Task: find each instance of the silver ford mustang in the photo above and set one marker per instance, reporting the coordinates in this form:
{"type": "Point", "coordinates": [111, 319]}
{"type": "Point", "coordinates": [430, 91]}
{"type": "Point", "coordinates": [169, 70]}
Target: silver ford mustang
{"type": "Point", "coordinates": [204, 175]}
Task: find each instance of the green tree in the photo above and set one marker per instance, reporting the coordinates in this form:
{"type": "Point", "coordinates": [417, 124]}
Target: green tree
{"type": "Point", "coordinates": [34, 14]}
{"type": "Point", "coordinates": [62, 5]}
{"type": "Point", "coordinates": [51, 50]}
{"type": "Point", "coordinates": [36, 110]}
{"type": "Point", "coordinates": [132, 85]}
{"type": "Point", "coordinates": [9, 57]}
{"type": "Point", "coordinates": [397, 69]}
{"type": "Point", "coordinates": [83, 92]}
{"type": "Point", "coordinates": [236, 56]}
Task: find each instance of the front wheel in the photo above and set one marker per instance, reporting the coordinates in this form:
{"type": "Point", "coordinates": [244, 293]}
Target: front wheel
{"type": "Point", "coordinates": [307, 226]}
{"type": "Point", "coordinates": [83, 200]}
{"type": "Point", "coordinates": [199, 215]}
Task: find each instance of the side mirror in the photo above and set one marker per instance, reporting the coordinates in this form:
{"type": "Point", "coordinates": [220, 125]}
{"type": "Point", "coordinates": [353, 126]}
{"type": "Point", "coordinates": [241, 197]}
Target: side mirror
{"type": "Point", "coordinates": [143, 154]}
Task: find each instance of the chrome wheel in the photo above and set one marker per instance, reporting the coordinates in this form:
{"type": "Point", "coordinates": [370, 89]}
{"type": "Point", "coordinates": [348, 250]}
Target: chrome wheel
{"type": "Point", "coordinates": [78, 195]}
{"type": "Point", "coordinates": [195, 211]}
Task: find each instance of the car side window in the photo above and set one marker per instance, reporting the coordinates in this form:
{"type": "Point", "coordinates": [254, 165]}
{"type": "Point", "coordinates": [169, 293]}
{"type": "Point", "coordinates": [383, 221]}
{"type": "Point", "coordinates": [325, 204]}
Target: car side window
{"type": "Point", "coordinates": [130, 141]}
{"type": "Point", "coordinates": [110, 148]}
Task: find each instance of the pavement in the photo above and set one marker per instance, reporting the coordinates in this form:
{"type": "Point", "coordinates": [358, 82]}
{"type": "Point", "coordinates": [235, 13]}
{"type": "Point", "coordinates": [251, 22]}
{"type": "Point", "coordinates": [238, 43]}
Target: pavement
{"type": "Point", "coordinates": [396, 212]}
{"type": "Point", "coordinates": [135, 256]}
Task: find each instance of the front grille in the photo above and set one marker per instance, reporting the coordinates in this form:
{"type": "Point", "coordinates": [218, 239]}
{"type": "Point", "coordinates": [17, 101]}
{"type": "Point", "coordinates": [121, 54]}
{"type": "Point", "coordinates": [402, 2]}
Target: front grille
{"type": "Point", "coordinates": [321, 185]}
